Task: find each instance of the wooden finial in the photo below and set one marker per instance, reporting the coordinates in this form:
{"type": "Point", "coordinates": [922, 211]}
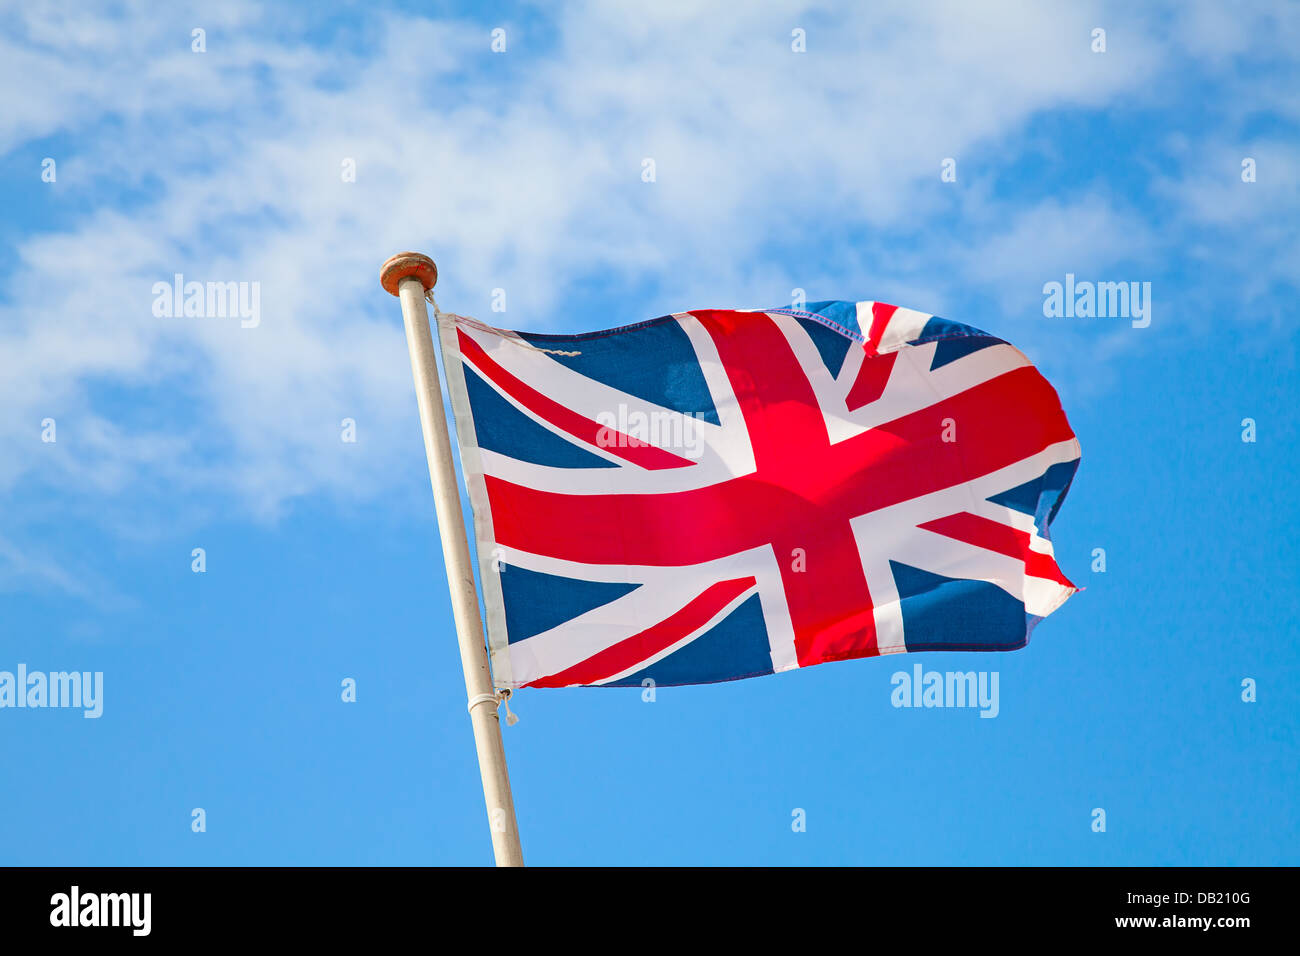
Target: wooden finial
{"type": "Point", "coordinates": [408, 265]}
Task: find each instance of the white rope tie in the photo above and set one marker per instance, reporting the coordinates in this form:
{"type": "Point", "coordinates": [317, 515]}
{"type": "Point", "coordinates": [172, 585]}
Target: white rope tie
{"type": "Point", "coordinates": [490, 329]}
{"type": "Point", "coordinates": [496, 699]}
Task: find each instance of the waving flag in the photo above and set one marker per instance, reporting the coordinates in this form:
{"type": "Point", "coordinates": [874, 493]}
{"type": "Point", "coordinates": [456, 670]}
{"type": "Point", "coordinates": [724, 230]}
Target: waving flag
{"type": "Point", "coordinates": [714, 495]}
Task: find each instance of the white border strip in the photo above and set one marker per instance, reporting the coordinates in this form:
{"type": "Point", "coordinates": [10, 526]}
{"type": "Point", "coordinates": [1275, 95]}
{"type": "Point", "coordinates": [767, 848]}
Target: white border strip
{"type": "Point", "coordinates": [484, 536]}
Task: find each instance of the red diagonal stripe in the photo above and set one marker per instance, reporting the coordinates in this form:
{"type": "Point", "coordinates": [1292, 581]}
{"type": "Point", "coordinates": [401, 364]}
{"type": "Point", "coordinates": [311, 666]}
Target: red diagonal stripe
{"type": "Point", "coordinates": [639, 647]}
{"type": "Point", "coordinates": [880, 316]}
{"type": "Point", "coordinates": [873, 376]}
{"type": "Point", "coordinates": [1002, 538]}
{"type": "Point", "coordinates": [584, 429]}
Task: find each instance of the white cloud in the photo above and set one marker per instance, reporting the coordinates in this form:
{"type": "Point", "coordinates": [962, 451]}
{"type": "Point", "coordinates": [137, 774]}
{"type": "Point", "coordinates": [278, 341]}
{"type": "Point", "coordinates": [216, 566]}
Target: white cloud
{"type": "Point", "coordinates": [520, 171]}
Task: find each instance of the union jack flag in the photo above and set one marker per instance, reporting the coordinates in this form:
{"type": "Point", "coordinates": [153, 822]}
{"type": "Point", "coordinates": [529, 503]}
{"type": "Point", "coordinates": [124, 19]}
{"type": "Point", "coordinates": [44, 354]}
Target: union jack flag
{"type": "Point", "coordinates": [714, 495]}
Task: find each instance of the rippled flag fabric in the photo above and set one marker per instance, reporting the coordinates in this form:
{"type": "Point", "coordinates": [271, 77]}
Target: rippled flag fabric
{"type": "Point", "coordinates": [721, 494]}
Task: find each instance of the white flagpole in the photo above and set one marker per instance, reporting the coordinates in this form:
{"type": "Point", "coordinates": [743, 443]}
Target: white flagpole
{"type": "Point", "coordinates": [408, 275]}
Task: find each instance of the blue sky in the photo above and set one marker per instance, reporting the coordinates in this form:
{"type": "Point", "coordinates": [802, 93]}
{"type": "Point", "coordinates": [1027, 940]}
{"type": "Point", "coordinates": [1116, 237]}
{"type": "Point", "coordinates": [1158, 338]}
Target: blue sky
{"type": "Point", "coordinates": [521, 171]}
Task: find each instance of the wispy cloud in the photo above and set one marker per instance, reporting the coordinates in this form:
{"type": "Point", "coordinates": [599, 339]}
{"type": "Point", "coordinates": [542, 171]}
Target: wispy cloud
{"type": "Point", "coordinates": [28, 570]}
